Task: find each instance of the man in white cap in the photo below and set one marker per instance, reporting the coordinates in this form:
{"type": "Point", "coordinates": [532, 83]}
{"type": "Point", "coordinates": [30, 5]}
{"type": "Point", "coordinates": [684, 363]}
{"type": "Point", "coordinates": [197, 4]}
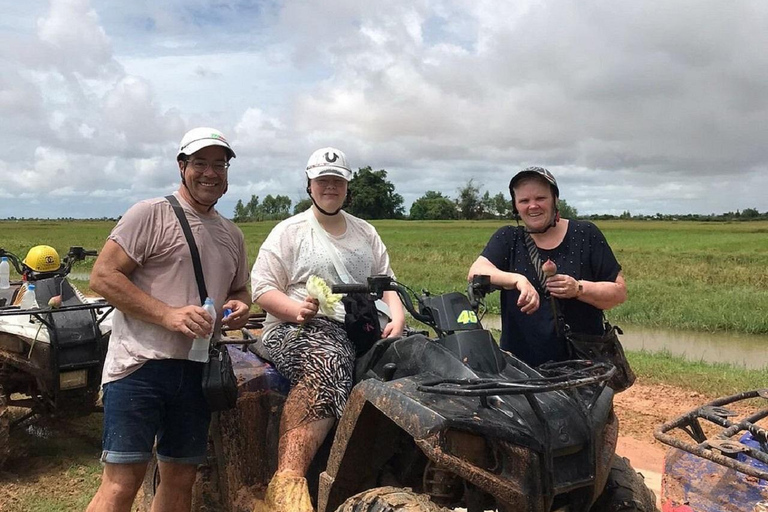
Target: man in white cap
{"type": "Point", "coordinates": [152, 390]}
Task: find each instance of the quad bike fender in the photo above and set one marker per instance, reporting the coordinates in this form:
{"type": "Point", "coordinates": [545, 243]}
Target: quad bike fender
{"type": "Point", "coordinates": [363, 424]}
{"type": "Point", "coordinates": [378, 415]}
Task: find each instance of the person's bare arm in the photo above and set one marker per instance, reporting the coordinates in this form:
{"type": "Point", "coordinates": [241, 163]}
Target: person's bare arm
{"type": "Point", "coordinates": [110, 279]}
{"type": "Point", "coordinates": [287, 309]}
{"type": "Point", "coordinates": [603, 295]}
{"type": "Point", "coordinates": [529, 297]}
{"type": "Point", "coordinates": [397, 315]}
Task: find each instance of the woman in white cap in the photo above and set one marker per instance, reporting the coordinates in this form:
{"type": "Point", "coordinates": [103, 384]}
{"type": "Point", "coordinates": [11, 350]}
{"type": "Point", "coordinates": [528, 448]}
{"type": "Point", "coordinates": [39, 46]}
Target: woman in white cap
{"type": "Point", "coordinates": [585, 279]}
{"type": "Point", "coordinates": [309, 347]}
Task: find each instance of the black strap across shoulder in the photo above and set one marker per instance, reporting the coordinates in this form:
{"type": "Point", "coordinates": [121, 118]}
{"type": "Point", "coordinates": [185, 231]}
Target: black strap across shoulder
{"type": "Point", "coordinates": [179, 211]}
{"type": "Point", "coordinates": [535, 257]}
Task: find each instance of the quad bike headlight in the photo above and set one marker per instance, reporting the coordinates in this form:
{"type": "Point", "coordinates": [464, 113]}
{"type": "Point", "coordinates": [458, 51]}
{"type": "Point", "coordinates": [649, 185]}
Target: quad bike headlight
{"type": "Point", "coordinates": [73, 380]}
{"type": "Point", "coordinates": [471, 448]}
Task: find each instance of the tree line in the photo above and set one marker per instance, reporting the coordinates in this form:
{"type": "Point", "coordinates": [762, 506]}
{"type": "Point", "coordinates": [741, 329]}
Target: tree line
{"type": "Point", "coordinates": [746, 214]}
{"type": "Point", "coordinates": [373, 196]}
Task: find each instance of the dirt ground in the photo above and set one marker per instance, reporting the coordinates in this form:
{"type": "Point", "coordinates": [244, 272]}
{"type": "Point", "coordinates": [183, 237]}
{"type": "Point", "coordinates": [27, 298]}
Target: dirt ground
{"type": "Point", "coordinates": [641, 409]}
{"type": "Point", "coordinates": [58, 466]}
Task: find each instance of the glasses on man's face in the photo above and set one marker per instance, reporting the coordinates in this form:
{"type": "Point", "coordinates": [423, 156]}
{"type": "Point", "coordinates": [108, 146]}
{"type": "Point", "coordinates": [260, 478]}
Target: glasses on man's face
{"type": "Point", "coordinates": [201, 166]}
{"type": "Point", "coordinates": [330, 182]}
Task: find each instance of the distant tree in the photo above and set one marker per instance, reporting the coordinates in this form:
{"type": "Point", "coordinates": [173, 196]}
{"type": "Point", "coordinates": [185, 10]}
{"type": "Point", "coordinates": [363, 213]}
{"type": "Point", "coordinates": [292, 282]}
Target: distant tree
{"type": "Point", "coordinates": [498, 206]}
{"type": "Point", "coordinates": [278, 207]}
{"type": "Point", "coordinates": [240, 213]}
{"type": "Point", "coordinates": [373, 196]}
{"type": "Point", "coordinates": [469, 201]}
{"type": "Point", "coordinates": [433, 206]}
{"type": "Point", "coordinates": [486, 207]}
{"type": "Point", "coordinates": [750, 213]}
{"type": "Point", "coordinates": [625, 215]}
{"type": "Point", "coordinates": [302, 206]}
{"type": "Point", "coordinates": [252, 209]}
{"type": "Point", "coordinates": [567, 211]}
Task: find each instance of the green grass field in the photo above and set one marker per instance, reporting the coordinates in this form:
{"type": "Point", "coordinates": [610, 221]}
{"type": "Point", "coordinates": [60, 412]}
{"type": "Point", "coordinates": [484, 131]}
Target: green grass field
{"type": "Point", "coordinates": [686, 275]}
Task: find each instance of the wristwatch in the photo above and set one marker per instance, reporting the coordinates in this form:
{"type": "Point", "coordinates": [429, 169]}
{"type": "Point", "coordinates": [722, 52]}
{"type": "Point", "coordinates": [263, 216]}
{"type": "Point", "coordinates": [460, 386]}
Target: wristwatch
{"type": "Point", "coordinates": [581, 290]}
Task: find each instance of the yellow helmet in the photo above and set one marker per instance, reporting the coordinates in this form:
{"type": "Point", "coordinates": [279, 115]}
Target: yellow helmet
{"type": "Point", "coordinates": [43, 258]}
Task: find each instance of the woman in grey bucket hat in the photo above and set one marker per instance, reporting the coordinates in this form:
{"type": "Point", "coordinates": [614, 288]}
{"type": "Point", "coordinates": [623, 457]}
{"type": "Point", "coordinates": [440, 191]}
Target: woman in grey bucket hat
{"type": "Point", "coordinates": [584, 278]}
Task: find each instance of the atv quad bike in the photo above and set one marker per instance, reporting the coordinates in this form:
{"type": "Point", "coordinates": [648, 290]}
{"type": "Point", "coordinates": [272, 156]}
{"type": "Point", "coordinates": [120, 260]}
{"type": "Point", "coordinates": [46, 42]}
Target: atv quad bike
{"type": "Point", "coordinates": [719, 457]}
{"type": "Point", "coordinates": [50, 357]}
{"type": "Point", "coordinates": [435, 424]}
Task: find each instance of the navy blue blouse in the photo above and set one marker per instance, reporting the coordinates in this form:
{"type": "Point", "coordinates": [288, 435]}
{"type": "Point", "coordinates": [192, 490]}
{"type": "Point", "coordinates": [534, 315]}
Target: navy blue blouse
{"type": "Point", "coordinates": [583, 254]}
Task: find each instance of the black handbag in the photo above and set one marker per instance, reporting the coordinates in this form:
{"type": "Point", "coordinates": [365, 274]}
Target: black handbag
{"type": "Point", "coordinates": [605, 348]}
{"type": "Point", "coordinates": [602, 348]}
{"type": "Point", "coordinates": [361, 321]}
{"type": "Point", "coordinates": [219, 381]}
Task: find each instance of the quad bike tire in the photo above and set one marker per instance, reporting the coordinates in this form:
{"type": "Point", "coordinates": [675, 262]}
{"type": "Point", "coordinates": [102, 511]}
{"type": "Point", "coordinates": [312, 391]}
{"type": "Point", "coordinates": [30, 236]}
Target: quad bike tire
{"type": "Point", "coordinates": [389, 499]}
{"type": "Point", "coordinates": [625, 491]}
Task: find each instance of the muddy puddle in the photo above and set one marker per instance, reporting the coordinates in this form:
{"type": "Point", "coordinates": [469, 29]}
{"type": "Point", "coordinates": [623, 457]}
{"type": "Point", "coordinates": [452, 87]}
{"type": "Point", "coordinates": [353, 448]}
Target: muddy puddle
{"type": "Point", "coordinates": [746, 350]}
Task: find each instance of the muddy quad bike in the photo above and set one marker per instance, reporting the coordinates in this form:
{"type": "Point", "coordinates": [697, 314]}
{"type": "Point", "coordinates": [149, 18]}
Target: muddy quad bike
{"type": "Point", "coordinates": [719, 457]}
{"type": "Point", "coordinates": [434, 424]}
{"type": "Point", "coordinates": [50, 357]}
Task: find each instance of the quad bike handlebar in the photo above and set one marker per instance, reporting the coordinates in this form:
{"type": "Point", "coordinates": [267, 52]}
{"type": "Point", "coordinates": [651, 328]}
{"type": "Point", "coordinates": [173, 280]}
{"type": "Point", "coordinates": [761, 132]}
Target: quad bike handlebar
{"type": "Point", "coordinates": [477, 289]}
{"type": "Point", "coordinates": [376, 287]}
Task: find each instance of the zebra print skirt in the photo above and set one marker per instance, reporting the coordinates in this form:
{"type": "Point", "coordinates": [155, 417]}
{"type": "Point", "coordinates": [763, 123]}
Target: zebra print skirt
{"type": "Point", "coordinates": [319, 359]}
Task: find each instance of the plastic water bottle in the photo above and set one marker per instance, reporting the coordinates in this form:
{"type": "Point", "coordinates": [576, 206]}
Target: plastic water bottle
{"type": "Point", "coordinates": [28, 300]}
{"type": "Point", "coordinates": [199, 350]}
{"type": "Point", "coordinates": [5, 274]}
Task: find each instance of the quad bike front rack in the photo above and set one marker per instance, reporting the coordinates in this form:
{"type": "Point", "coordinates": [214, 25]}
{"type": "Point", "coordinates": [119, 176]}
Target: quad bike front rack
{"type": "Point", "coordinates": [559, 376]}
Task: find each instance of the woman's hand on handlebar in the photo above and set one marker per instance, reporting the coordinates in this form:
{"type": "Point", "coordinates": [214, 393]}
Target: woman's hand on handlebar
{"type": "Point", "coordinates": [528, 302]}
{"type": "Point", "coordinates": [393, 329]}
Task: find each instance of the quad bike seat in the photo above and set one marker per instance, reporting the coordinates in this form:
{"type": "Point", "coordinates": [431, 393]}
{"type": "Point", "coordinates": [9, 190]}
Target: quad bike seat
{"type": "Point", "coordinates": [76, 341]}
{"type": "Point", "coordinates": [255, 373]}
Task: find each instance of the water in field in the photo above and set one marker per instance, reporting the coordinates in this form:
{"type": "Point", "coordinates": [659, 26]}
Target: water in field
{"type": "Point", "coordinates": [747, 350]}
{"type": "Point", "coordinates": [80, 276]}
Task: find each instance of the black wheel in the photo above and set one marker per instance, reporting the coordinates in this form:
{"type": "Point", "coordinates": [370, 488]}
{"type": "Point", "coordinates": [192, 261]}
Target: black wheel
{"type": "Point", "coordinates": [625, 490]}
{"type": "Point", "coordinates": [389, 499]}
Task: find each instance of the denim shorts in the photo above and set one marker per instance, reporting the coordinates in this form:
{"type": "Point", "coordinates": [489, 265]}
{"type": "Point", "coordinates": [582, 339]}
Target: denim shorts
{"type": "Point", "coordinates": [163, 399]}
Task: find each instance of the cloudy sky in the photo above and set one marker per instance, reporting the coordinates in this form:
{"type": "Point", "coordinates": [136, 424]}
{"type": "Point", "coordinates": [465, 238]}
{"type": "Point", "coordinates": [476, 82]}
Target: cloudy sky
{"type": "Point", "coordinates": [652, 106]}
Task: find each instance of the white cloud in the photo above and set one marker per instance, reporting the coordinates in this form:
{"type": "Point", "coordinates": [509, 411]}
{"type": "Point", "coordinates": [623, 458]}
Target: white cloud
{"type": "Point", "coordinates": [75, 40]}
{"type": "Point", "coordinates": [633, 106]}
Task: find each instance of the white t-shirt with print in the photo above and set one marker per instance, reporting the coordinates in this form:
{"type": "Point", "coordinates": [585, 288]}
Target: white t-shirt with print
{"type": "Point", "coordinates": [292, 252]}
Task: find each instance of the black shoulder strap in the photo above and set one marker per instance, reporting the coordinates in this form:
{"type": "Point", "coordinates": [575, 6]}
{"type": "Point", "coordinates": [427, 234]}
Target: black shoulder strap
{"type": "Point", "coordinates": [179, 211]}
{"type": "Point", "coordinates": [533, 254]}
